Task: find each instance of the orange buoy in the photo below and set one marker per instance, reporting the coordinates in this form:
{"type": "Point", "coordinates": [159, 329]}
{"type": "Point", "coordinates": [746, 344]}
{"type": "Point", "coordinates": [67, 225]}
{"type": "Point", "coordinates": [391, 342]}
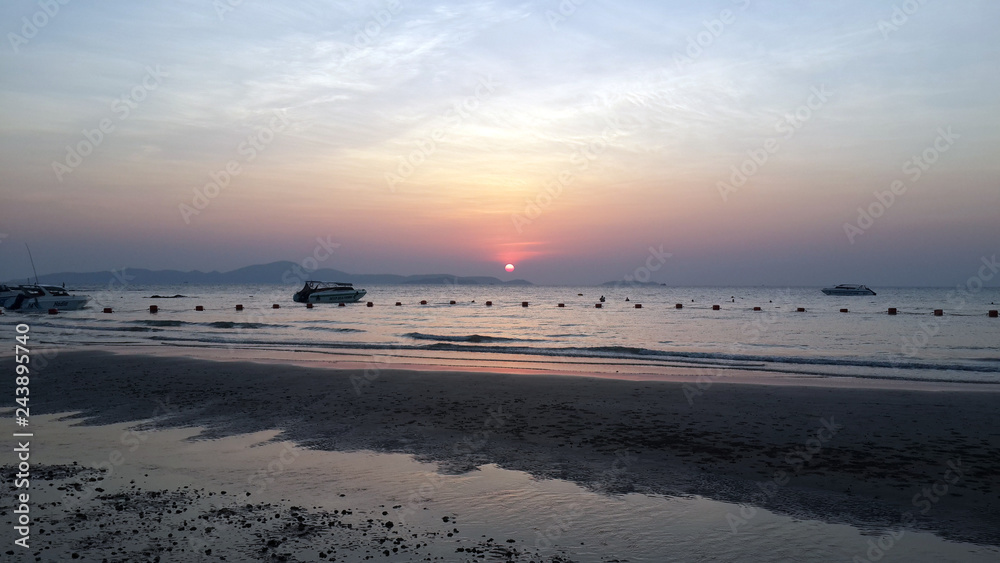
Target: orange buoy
{"type": "Point", "coordinates": [107, 309]}
{"type": "Point", "coordinates": [715, 307]}
{"type": "Point", "coordinates": [938, 312]}
{"type": "Point", "coordinates": [53, 311]}
{"type": "Point", "coordinates": [309, 305]}
{"type": "Point", "coordinates": [489, 303]}
{"type": "Point", "coordinates": [678, 306]}
{"type": "Point", "coordinates": [638, 305]}
{"type": "Point", "coordinates": [994, 313]}
{"type": "Point", "coordinates": [451, 302]}
{"type": "Point", "coordinates": [800, 310]}
{"type": "Point", "coordinates": [597, 305]}
{"type": "Point", "coordinates": [524, 303]}
{"type": "Point", "coordinates": [399, 304]}
{"type": "Point", "coordinates": [153, 308]}
{"type": "Point", "coordinates": [239, 307]}
{"type": "Point", "coordinates": [843, 311]}
{"type": "Point", "coordinates": [756, 308]}
{"type": "Point", "coordinates": [424, 302]}
{"type": "Point", "coordinates": [892, 310]}
{"type": "Point", "coordinates": [369, 304]}
{"type": "Point", "coordinates": [199, 308]}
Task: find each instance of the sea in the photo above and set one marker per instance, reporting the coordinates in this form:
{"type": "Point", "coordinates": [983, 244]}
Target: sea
{"type": "Point", "coordinates": [636, 332]}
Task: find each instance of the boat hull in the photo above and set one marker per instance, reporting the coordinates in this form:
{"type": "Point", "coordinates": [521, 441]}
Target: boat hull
{"type": "Point", "coordinates": [848, 292]}
{"type": "Point", "coordinates": [336, 296]}
{"type": "Point", "coordinates": [44, 303]}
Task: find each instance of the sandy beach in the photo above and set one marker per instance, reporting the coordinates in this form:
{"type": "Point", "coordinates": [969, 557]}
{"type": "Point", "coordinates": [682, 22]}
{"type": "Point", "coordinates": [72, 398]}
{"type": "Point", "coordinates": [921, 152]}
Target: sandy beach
{"type": "Point", "coordinates": [875, 459]}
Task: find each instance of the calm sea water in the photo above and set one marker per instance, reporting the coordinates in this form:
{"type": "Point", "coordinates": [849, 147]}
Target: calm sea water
{"type": "Point", "coordinates": [962, 345]}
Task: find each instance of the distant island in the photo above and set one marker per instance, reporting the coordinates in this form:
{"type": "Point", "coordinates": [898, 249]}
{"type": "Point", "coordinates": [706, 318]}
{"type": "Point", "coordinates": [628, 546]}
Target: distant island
{"type": "Point", "coordinates": [283, 272]}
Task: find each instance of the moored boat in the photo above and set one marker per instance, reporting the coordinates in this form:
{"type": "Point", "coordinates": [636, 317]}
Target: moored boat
{"type": "Point", "coordinates": [848, 289]}
{"type": "Point", "coordinates": [39, 297]}
{"type": "Point", "coordinates": [328, 292]}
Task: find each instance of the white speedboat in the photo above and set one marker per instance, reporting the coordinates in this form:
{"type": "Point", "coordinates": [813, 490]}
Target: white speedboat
{"type": "Point", "coordinates": [328, 292]}
{"type": "Point", "coordinates": [41, 298]}
{"type": "Point", "coordinates": [848, 289]}
{"type": "Point", "coordinates": [6, 293]}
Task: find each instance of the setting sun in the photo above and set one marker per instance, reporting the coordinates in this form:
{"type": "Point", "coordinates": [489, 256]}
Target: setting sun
{"type": "Point", "coordinates": [509, 267]}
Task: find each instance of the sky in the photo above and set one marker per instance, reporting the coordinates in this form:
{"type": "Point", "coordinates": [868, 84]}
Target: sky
{"type": "Point", "coordinates": [730, 142]}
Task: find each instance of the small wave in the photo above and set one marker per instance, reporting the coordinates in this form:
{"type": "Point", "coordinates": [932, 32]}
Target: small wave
{"type": "Point", "coordinates": [233, 324]}
{"type": "Point", "coordinates": [473, 338]}
{"type": "Point", "coordinates": [161, 323]}
{"type": "Point", "coordinates": [332, 329]}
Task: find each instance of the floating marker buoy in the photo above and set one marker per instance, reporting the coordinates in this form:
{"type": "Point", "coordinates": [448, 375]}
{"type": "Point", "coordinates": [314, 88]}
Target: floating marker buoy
{"type": "Point", "coordinates": [451, 302]}
{"type": "Point", "coordinates": [638, 305]}
{"type": "Point", "coordinates": [892, 310]}
{"type": "Point", "coordinates": [489, 303]}
{"type": "Point", "coordinates": [399, 304]}
{"type": "Point", "coordinates": [239, 307]}
{"type": "Point", "coordinates": [715, 307]}
{"type": "Point", "coordinates": [938, 312]}
{"type": "Point", "coordinates": [843, 310]}
{"type": "Point", "coordinates": [597, 305]}
{"type": "Point", "coordinates": [341, 305]}
{"type": "Point", "coordinates": [369, 304]}
{"type": "Point", "coordinates": [994, 314]}
{"type": "Point", "coordinates": [423, 302]}
{"type": "Point", "coordinates": [678, 306]}
{"type": "Point", "coordinates": [107, 310]}
{"type": "Point", "coordinates": [275, 306]}
{"type": "Point", "coordinates": [579, 294]}
{"type": "Point", "coordinates": [561, 305]}
{"type": "Point", "coordinates": [309, 305]}
{"type": "Point", "coordinates": [524, 303]}
{"type": "Point", "coordinates": [199, 308]}
{"type": "Point", "coordinates": [153, 308]}
{"type": "Point", "coordinates": [756, 308]}
{"type": "Point", "coordinates": [800, 310]}
{"type": "Point", "coordinates": [53, 311]}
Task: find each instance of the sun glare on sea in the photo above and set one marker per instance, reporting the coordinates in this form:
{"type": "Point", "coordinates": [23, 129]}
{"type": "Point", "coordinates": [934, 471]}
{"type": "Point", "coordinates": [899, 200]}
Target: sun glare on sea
{"type": "Point", "coordinates": [509, 267]}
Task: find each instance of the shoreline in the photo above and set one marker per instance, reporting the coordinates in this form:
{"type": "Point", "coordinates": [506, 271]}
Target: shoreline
{"type": "Point", "coordinates": [851, 455]}
{"type": "Point", "coordinates": [701, 377]}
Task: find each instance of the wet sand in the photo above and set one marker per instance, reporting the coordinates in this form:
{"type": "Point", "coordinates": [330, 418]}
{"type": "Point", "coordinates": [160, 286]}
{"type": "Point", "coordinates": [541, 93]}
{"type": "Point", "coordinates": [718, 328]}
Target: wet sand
{"type": "Point", "coordinates": [872, 458]}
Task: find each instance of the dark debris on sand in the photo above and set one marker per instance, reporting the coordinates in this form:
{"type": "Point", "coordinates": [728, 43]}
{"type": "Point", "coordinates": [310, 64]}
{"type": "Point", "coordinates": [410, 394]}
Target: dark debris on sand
{"type": "Point", "coordinates": [188, 525]}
